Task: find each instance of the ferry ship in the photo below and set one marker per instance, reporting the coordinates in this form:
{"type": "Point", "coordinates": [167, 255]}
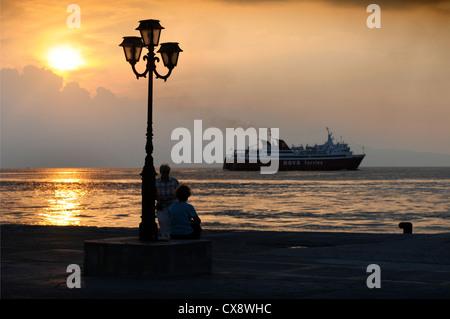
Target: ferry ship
{"type": "Point", "coordinates": [328, 156]}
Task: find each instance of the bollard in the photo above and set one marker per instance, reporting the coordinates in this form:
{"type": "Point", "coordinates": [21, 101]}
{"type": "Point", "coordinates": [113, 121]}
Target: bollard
{"type": "Point", "coordinates": [406, 226]}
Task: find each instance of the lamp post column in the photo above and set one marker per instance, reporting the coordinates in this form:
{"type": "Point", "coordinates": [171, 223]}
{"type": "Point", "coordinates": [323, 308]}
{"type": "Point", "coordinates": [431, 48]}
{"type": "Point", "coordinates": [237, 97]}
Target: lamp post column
{"type": "Point", "coordinates": [132, 46]}
{"type": "Point", "coordinates": [148, 230]}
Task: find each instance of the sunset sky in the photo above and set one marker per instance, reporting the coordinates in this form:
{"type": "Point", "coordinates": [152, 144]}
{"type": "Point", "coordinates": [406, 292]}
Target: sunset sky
{"type": "Point", "coordinates": [299, 66]}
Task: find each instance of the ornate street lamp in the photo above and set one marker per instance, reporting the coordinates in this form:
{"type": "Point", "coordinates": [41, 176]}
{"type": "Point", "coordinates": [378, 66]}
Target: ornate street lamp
{"type": "Point", "coordinates": [169, 53]}
{"type": "Point", "coordinates": [132, 46]}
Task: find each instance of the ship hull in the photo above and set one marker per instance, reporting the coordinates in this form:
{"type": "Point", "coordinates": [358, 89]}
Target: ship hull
{"type": "Point", "coordinates": [302, 164]}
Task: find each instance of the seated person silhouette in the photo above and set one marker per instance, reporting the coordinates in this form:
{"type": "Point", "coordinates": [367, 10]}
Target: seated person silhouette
{"type": "Point", "coordinates": [184, 221]}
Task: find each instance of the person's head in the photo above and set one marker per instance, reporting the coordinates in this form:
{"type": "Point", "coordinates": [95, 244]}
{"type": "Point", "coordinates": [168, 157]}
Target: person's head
{"type": "Point", "coordinates": [183, 192]}
{"type": "Point", "coordinates": [164, 169]}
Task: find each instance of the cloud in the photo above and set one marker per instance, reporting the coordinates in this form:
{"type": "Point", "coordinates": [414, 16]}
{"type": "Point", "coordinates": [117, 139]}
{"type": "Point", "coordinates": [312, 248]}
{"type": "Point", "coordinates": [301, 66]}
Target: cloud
{"type": "Point", "coordinates": [46, 124]}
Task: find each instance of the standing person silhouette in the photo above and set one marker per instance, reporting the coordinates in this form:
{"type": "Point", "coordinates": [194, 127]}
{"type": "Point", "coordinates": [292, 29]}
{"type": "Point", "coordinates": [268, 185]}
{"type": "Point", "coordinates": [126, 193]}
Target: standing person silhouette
{"type": "Point", "coordinates": [165, 191]}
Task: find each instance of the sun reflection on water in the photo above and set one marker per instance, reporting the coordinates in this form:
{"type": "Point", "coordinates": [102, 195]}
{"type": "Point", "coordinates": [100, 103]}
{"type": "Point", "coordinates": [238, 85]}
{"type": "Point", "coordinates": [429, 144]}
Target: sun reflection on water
{"type": "Point", "coordinates": [64, 205]}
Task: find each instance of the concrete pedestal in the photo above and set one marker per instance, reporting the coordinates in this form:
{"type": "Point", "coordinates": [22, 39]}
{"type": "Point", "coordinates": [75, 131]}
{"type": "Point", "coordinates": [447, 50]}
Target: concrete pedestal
{"type": "Point", "coordinates": [129, 257]}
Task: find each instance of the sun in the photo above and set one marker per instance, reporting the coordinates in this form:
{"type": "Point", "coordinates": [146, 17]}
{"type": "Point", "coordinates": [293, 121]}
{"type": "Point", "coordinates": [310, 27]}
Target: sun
{"type": "Point", "coordinates": [64, 58]}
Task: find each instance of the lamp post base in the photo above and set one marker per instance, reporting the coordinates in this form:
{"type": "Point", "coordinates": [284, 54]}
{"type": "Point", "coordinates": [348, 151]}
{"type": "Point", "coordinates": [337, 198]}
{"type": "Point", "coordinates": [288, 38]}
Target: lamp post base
{"type": "Point", "coordinates": [148, 231]}
{"type": "Point", "coordinates": [128, 257]}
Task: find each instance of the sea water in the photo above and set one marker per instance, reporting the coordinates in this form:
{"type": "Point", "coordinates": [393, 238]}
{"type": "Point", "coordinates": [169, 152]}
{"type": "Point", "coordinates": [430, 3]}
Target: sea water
{"type": "Point", "coordinates": [367, 200]}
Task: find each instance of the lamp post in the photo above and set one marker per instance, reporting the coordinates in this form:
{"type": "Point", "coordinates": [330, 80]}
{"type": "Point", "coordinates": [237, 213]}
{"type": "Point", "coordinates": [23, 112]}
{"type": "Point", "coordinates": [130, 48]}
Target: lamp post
{"type": "Point", "coordinates": [132, 46]}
